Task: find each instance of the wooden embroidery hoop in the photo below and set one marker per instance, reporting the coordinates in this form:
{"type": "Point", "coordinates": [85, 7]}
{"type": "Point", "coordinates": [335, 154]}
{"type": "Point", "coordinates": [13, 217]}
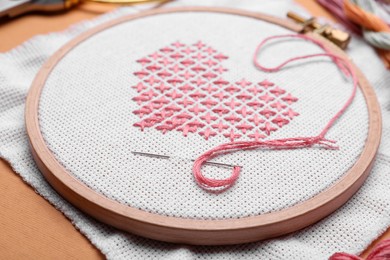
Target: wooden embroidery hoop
{"type": "Point", "coordinates": [191, 231]}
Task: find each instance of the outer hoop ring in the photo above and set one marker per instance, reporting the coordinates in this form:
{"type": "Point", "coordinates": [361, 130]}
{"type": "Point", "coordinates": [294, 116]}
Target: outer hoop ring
{"type": "Point", "coordinates": [191, 231]}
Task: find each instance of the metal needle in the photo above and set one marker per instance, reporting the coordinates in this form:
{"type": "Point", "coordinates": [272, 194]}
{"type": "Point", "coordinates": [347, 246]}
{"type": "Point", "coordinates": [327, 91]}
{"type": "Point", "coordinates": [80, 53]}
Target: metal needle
{"type": "Point", "coordinates": [168, 157]}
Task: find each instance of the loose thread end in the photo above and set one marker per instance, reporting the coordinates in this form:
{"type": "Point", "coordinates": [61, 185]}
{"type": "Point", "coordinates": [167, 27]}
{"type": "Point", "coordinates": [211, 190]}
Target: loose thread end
{"type": "Point", "coordinates": [211, 184]}
{"type": "Point", "coordinates": [329, 144]}
{"type": "Point", "coordinates": [219, 185]}
{"type": "Point", "coordinates": [286, 143]}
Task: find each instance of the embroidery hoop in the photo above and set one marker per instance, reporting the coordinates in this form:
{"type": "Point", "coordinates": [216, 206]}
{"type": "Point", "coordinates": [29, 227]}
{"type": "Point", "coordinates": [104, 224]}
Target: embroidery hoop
{"type": "Point", "coordinates": [192, 231]}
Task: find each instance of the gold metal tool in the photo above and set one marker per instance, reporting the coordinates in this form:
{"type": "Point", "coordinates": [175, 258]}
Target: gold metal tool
{"type": "Point", "coordinates": [338, 37]}
{"type": "Point", "coordinates": [13, 8]}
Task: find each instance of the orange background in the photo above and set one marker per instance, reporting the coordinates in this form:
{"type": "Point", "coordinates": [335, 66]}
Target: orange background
{"type": "Point", "coordinates": [30, 227]}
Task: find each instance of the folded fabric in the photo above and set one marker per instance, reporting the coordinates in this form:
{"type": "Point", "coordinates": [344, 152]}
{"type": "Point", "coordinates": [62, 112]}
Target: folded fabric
{"type": "Point", "coordinates": [350, 229]}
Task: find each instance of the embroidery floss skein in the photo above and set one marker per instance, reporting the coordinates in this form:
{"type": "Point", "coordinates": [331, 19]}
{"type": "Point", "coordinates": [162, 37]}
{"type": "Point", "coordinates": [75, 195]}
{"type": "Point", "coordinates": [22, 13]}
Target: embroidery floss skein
{"type": "Point", "coordinates": [277, 144]}
{"type": "Point", "coordinates": [335, 7]}
{"type": "Point", "coordinates": [363, 18]}
{"type": "Point", "coordinates": [375, 30]}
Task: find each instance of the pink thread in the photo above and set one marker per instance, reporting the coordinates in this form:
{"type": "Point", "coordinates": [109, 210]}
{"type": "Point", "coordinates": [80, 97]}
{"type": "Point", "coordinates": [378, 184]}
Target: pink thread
{"type": "Point", "coordinates": [176, 79]}
{"type": "Point", "coordinates": [220, 126]}
{"type": "Point", "coordinates": [286, 143]}
{"type": "Point", "coordinates": [380, 252]}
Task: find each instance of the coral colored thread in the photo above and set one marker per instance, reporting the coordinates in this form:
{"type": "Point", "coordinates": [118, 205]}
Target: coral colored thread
{"type": "Point", "coordinates": [380, 252]}
{"type": "Point", "coordinates": [366, 19]}
{"type": "Point", "coordinates": [166, 92]}
{"type": "Point", "coordinates": [286, 143]}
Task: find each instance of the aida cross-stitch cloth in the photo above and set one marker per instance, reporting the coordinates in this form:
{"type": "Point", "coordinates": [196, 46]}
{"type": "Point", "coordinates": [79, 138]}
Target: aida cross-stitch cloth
{"type": "Point", "coordinates": [191, 104]}
{"type": "Point", "coordinates": [349, 229]}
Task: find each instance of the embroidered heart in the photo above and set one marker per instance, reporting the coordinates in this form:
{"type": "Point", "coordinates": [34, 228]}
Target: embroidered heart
{"type": "Point", "coordinates": [181, 89]}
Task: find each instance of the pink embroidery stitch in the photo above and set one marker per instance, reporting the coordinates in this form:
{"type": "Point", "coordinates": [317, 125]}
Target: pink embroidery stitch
{"type": "Point", "coordinates": [181, 88]}
{"type": "Point", "coordinates": [286, 143]}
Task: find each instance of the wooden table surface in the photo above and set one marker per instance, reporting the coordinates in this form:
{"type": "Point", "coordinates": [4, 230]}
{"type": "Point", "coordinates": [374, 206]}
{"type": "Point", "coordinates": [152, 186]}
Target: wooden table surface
{"type": "Point", "coordinates": [31, 228]}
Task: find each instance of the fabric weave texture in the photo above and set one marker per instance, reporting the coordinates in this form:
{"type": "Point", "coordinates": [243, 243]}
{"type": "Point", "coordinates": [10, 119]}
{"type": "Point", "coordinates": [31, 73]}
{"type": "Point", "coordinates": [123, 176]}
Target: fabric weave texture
{"type": "Point", "coordinates": [349, 229]}
{"type": "Point", "coordinates": [80, 107]}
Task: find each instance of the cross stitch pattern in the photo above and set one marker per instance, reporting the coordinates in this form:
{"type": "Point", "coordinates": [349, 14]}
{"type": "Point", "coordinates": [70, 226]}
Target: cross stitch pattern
{"type": "Point", "coordinates": [87, 120]}
{"type": "Point", "coordinates": [181, 87]}
{"type": "Point", "coordinates": [114, 244]}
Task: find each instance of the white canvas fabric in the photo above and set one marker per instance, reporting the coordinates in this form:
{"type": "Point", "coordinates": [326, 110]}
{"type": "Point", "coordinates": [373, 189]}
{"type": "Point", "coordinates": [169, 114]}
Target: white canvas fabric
{"type": "Point", "coordinates": [349, 229]}
{"type": "Point", "coordinates": [87, 120]}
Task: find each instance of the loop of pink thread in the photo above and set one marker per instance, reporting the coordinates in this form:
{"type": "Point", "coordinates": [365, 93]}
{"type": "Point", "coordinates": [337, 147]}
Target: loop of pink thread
{"type": "Point", "coordinates": [286, 143]}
